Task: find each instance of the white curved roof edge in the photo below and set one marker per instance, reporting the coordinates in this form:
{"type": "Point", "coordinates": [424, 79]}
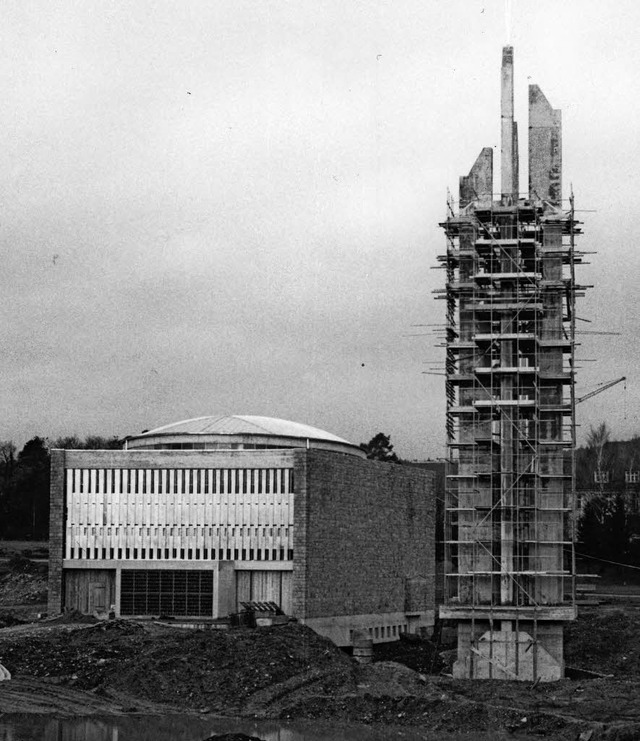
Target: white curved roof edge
{"type": "Point", "coordinates": [238, 424]}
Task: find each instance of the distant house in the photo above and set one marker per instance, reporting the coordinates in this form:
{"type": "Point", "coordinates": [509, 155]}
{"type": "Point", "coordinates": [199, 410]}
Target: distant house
{"type": "Point", "coordinates": [617, 475]}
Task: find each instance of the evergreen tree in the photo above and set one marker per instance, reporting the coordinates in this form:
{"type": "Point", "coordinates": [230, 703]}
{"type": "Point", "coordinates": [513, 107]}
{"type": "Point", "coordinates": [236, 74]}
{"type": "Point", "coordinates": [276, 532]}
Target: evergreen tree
{"type": "Point", "coordinates": [26, 506]}
{"type": "Point", "coordinates": [379, 448]}
{"type": "Point", "coordinates": [25, 481]}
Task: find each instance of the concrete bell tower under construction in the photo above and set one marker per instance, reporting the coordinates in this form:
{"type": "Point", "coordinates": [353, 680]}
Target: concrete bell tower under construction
{"type": "Point", "coordinates": [510, 378]}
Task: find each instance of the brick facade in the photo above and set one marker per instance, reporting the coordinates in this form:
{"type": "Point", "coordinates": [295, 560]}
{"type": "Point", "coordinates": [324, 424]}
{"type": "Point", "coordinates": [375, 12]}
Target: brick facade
{"type": "Point", "coordinates": [364, 537]}
{"type": "Point", "coordinates": [56, 531]}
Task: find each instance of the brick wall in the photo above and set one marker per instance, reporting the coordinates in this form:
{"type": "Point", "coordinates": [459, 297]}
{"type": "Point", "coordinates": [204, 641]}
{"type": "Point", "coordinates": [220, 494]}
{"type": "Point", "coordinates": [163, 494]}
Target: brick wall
{"type": "Point", "coordinates": [364, 536]}
{"type": "Point", "coordinates": [56, 531]}
{"type": "Point", "coordinates": [300, 530]}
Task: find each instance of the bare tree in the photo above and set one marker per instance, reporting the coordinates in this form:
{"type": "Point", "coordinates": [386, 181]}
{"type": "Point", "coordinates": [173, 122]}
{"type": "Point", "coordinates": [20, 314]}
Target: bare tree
{"type": "Point", "coordinates": [597, 440]}
{"type": "Point", "coordinates": [7, 452]}
{"type": "Point", "coordinates": [7, 463]}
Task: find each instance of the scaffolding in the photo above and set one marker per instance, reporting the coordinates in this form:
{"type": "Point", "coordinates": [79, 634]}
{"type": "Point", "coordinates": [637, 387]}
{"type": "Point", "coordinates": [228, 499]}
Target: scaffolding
{"type": "Point", "coordinates": [510, 379]}
{"type": "Point", "coordinates": [510, 421]}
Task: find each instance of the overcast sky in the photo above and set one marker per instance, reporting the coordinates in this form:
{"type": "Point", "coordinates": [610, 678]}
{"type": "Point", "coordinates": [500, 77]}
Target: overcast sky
{"type": "Point", "coordinates": [219, 207]}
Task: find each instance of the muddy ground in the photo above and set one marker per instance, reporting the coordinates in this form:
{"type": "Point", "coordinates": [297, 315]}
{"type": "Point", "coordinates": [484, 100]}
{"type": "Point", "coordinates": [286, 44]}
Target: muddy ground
{"type": "Point", "coordinates": [86, 667]}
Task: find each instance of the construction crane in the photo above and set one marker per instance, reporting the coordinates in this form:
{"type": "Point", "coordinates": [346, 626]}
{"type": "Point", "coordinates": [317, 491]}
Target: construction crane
{"type": "Point", "coordinates": [602, 388]}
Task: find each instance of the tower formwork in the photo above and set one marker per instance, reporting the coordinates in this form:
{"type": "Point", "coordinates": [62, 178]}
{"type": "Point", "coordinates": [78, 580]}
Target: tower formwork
{"type": "Point", "coordinates": [510, 421]}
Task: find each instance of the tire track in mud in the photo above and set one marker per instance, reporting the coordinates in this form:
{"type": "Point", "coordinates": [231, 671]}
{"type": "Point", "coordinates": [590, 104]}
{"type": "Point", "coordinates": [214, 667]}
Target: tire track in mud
{"type": "Point", "coordinates": [30, 695]}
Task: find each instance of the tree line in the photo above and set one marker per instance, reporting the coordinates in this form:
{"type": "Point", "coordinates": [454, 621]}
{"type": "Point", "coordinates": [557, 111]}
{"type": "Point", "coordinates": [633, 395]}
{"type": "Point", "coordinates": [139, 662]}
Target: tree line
{"type": "Point", "coordinates": [607, 484]}
{"type": "Point", "coordinates": [25, 479]}
{"type": "Point", "coordinates": [607, 481]}
{"type": "Point", "coordinates": [608, 490]}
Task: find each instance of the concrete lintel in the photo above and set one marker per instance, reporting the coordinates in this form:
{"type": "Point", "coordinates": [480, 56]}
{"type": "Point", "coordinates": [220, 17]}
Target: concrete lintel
{"type": "Point", "coordinates": [264, 565]}
{"type": "Point", "coordinates": [159, 565]}
{"type": "Point", "coordinates": [550, 614]}
{"type": "Point", "coordinates": [280, 458]}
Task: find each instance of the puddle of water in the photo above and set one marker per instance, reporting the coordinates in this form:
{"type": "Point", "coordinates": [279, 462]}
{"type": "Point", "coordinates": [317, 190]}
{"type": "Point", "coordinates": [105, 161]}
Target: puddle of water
{"type": "Point", "coordinates": [190, 728]}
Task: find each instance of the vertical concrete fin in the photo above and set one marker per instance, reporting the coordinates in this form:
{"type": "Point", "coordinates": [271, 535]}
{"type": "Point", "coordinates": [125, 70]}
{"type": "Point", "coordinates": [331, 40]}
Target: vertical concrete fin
{"type": "Point", "coordinates": [509, 137]}
{"type": "Point", "coordinates": [515, 162]}
{"type": "Point", "coordinates": [545, 149]}
{"type": "Point", "coordinates": [477, 186]}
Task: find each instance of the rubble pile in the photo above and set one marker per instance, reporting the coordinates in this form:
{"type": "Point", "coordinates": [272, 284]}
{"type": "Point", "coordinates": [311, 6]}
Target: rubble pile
{"type": "Point", "coordinates": [233, 737]}
{"type": "Point", "coordinates": [9, 620]}
{"type": "Point", "coordinates": [22, 582]}
{"type": "Point", "coordinates": [605, 641]}
{"type": "Point", "coordinates": [289, 672]}
{"type": "Point", "coordinates": [218, 670]}
{"type": "Point", "coordinates": [22, 588]}
{"type": "Point", "coordinates": [420, 655]}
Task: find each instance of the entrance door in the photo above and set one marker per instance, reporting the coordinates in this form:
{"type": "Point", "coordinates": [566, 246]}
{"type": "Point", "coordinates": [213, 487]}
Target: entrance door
{"type": "Point", "coordinates": [97, 598]}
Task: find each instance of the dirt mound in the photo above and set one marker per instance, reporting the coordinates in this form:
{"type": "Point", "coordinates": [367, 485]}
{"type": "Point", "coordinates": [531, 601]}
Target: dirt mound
{"type": "Point", "coordinates": [19, 564]}
{"type": "Point", "coordinates": [219, 670]}
{"type": "Point", "coordinates": [23, 588]}
{"type": "Point", "coordinates": [389, 678]}
{"type": "Point", "coordinates": [28, 695]}
{"type": "Point", "coordinates": [233, 737]}
{"type": "Point", "coordinates": [420, 655]}
{"type": "Point", "coordinates": [440, 713]}
{"type": "Point", "coordinates": [24, 583]}
{"type": "Point", "coordinates": [290, 672]}
{"type": "Point", "coordinates": [605, 641]}
{"type": "Point", "coordinates": [73, 616]}
{"type": "Point", "coordinates": [9, 620]}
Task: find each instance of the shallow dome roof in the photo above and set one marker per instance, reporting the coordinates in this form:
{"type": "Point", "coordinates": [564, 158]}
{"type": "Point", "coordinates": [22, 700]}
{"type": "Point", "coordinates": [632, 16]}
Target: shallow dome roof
{"type": "Point", "coordinates": [238, 424]}
{"type": "Point", "coordinates": [241, 430]}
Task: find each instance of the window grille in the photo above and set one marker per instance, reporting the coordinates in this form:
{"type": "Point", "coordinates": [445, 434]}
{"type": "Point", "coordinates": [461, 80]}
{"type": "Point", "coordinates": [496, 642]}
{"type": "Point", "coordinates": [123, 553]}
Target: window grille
{"type": "Point", "coordinates": [167, 593]}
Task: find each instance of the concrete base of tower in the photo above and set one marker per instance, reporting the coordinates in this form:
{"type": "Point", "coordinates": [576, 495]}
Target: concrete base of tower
{"type": "Point", "coordinates": [502, 650]}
